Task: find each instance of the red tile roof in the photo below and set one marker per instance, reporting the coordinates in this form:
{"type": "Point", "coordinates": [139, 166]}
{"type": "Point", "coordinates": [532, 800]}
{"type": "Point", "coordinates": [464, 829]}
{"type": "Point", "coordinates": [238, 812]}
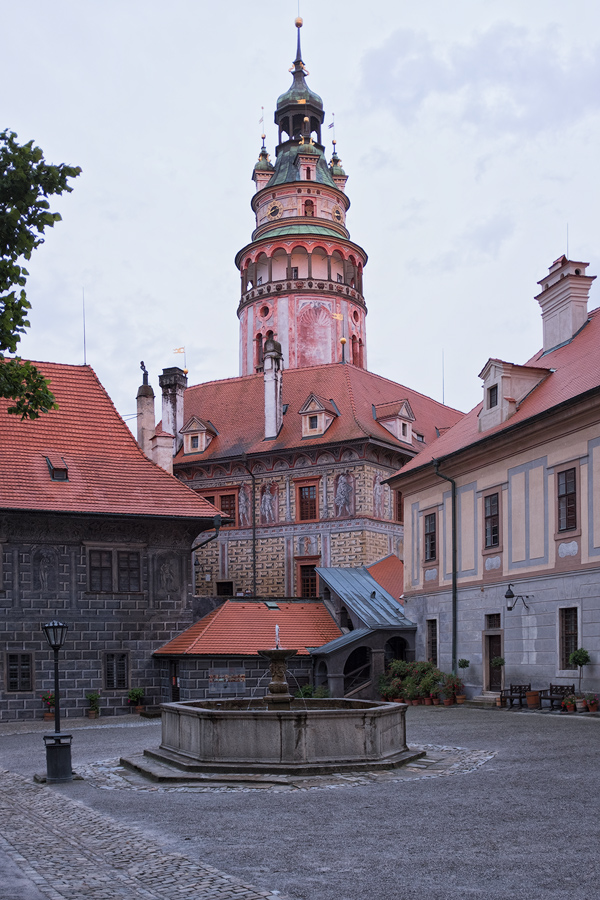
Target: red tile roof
{"type": "Point", "coordinates": [107, 471]}
{"type": "Point", "coordinates": [389, 573]}
{"type": "Point", "coordinates": [574, 370]}
{"type": "Point", "coordinates": [243, 627]}
{"type": "Point", "coordinates": [235, 407]}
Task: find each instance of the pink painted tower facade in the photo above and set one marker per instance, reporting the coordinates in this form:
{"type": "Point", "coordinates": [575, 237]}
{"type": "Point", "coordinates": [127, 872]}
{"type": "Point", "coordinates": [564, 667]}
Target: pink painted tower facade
{"type": "Point", "coordinates": [301, 275]}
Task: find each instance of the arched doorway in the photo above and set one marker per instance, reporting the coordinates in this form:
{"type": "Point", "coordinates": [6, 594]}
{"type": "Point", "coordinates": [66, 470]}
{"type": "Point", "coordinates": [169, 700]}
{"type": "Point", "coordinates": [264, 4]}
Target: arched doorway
{"type": "Point", "coordinates": [395, 648]}
{"type": "Point", "coordinates": [357, 670]}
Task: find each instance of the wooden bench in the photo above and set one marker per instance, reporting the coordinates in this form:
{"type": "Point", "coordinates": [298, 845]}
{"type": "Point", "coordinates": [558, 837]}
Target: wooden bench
{"type": "Point", "coordinates": [556, 693]}
{"type": "Point", "coordinates": [515, 692]}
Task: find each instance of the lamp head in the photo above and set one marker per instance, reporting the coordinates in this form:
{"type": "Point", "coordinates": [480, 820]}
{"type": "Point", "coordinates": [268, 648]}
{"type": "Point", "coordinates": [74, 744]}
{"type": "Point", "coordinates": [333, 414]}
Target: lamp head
{"type": "Point", "coordinates": [56, 633]}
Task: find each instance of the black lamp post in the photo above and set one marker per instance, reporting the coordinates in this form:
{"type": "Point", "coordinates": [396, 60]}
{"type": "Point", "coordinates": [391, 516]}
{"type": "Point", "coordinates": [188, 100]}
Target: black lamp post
{"type": "Point", "coordinates": [58, 745]}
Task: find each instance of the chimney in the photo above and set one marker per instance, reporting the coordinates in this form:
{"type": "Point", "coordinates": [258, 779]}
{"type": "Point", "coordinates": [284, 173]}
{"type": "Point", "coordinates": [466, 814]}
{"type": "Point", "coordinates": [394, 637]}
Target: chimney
{"type": "Point", "coordinates": [145, 414]}
{"type": "Point", "coordinates": [173, 383]}
{"type": "Point", "coordinates": [273, 378]}
{"type": "Point", "coordinates": [564, 299]}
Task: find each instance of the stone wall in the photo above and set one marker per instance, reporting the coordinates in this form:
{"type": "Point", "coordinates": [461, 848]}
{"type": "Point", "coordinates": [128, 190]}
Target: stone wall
{"type": "Point", "coordinates": [46, 575]}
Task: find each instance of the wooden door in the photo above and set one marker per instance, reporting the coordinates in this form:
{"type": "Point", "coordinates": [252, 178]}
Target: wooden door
{"type": "Point", "coordinates": [494, 648]}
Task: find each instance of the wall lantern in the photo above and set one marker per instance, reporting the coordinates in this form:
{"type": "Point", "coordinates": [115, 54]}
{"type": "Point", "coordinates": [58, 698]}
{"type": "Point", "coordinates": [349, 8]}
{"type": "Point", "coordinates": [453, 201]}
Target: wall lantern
{"type": "Point", "coordinates": [512, 600]}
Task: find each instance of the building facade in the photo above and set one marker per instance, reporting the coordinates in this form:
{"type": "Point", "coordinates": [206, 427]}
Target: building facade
{"type": "Point", "coordinates": [295, 451]}
{"type": "Point", "coordinates": [521, 476]}
{"type": "Point", "coordinates": [96, 536]}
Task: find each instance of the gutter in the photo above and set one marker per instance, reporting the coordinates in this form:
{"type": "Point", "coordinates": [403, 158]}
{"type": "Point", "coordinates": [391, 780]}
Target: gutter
{"type": "Point", "coordinates": [436, 466]}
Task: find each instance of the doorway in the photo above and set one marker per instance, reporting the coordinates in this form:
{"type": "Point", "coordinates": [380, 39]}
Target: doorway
{"type": "Point", "coordinates": [493, 649]}
{"type": "Point", "coordinates": [174, 680]}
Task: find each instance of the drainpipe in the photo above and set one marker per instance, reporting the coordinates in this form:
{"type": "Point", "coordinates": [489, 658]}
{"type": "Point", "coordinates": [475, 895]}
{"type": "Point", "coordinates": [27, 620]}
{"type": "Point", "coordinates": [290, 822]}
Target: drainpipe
{"type": "Point", "coordinates": [436, 466]}
{"type": "Point", "coordinates": [253, 477]}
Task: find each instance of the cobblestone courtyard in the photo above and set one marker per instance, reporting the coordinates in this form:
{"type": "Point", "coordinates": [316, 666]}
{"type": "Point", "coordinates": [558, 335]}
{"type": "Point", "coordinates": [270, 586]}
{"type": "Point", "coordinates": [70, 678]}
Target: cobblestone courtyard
{"type": "Point", "coordinates": [488, 812]}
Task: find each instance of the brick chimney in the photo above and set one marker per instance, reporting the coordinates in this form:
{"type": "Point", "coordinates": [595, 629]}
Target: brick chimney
{"type": "Point", "coordinates": [145, 414]}
{"type": "Point", "coordinates": [563, 300]}
{"type": "Point", "coordinates": [273, 378]}
{"type": "Point", "coordinates": [173, 383]}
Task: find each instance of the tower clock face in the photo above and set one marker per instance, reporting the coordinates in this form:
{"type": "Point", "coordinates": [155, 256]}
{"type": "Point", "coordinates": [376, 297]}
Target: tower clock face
{"type": "Point", "coordinates": [274, 211]}
{"type": "Point", "coordinates": [338, 215]}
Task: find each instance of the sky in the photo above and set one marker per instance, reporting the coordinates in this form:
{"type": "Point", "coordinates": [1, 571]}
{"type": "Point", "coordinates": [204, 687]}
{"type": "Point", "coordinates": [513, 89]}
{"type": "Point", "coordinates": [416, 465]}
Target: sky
{"type": "Point", "coordinates": [469, 131]}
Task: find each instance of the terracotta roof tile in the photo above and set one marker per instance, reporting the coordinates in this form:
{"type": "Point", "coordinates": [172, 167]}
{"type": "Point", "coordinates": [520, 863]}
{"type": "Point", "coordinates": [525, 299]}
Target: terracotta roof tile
{"type": "Point", "coordinates": [243, 627]}
{"type": "Point", "coordinates": [107, 471]}
{"type": "Point", "coordinates": [575, 369]}
{"type": "Point", "coordinates": [389, 573]}
{"type": "Point", "coordinates": [235, 406]}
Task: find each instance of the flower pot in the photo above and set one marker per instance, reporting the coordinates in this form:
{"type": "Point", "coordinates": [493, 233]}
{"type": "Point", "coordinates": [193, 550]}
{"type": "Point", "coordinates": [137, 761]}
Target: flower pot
{"type": "Point", "coordinates": [500, 701]}
{"type": "Point", "coordinates": [92, 714]}
{"type": "Point", "coordinates": [49, 715]}
{"type": "Point", "coordinates": [435, 701]}
{"type": "Point", "coordinates": [428, 701]}
{"type": "Point", "coordinates": [581, 704]}
{"type": "Point", "coordinates": [140, 709]}
{"type": "Point", "coordinates": [593, 707]}
{"type": "Point", "coordinates": [533, 699]}
{"type": "Point", "coordinates": [415, 702]}
{"type": "Point", "coordinates": [460, 698]}
{"type": "Point", "coordinates": [448, 701]}
{"type": "Point", "coordinates": [570, 707]}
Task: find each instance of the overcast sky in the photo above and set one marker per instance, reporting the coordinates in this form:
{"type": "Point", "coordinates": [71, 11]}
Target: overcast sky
{"type": "Point", "coordinates": [469, 130]}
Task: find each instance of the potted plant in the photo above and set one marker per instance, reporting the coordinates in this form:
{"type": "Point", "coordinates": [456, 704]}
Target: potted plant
{"type": "Point", "coordinates": [452, 686]}
{"type": "Point", "coordinates": [581, 703]}
{"type": "Point", "coordinates": [93, 698]}
{"type": "Point", "coordinates": [592, 702]}
{"type": "Point", "coordinates": [135, 697]}
{"type": "Point", "coordinates": [463, 665]}
{"type": "Point", "coordinates": [568, 702]}
{"type": "Point", "coordinates": [48, 701]}
{"type": "Point", "coordinates": [579, 658]}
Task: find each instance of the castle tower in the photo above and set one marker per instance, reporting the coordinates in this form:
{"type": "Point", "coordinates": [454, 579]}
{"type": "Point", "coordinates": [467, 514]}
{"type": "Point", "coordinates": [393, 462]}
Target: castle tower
{"type": "Point", "coordinates": [301, 275]}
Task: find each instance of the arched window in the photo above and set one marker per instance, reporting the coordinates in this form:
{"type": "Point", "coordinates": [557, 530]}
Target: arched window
{"type": "Point", "coordinates": [355, 356]}
{"type": "Point", "coordinates": [309, 208]}
{"type": "Point", "coordinates": [357, 671]}
{"type": "Point", "coordinates": [259, 350]}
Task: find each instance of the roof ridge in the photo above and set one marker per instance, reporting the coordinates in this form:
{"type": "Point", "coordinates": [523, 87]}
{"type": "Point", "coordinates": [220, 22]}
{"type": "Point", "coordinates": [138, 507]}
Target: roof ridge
{"type": "Point", "coordinates": [352, 402]}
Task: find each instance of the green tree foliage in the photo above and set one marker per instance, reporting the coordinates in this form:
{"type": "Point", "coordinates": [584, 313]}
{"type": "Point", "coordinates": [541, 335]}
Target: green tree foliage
{"type": "Point", "coordinates": [26, 180]}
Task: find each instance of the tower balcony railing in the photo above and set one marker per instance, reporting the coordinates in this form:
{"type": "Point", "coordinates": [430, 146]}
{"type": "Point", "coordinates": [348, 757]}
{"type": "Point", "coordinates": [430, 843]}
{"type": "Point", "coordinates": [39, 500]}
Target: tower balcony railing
{"type": "Point", "coordinates": [287, 285]}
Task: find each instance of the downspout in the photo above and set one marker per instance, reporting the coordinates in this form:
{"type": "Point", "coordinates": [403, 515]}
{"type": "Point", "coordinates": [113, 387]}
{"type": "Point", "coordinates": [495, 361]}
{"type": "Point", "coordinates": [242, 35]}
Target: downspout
{"type": "Point", "coordinates": [253, 477]}
{"type": "Point", "coordinates": [436, 466]}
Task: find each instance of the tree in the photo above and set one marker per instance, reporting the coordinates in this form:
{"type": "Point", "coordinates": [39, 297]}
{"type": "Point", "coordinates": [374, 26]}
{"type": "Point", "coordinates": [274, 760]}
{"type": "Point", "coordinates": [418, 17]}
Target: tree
{"type": "Point", "coordinates": [26, 180]}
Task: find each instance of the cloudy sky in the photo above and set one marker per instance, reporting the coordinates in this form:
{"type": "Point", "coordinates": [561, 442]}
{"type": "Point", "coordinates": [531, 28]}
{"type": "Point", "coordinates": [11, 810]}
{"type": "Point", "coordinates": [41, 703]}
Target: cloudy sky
{"type": "Point", "coordinates": [469, 130]}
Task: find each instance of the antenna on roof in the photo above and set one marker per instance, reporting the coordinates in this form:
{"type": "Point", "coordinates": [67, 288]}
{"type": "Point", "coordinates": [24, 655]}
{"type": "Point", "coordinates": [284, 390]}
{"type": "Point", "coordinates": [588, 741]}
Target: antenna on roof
{"type": "Point", "coordinates": [567, 240]}
{"type": "Point", "coordinates": [84, 347]}
{"type": "Point", "coordinates": [443, 388]}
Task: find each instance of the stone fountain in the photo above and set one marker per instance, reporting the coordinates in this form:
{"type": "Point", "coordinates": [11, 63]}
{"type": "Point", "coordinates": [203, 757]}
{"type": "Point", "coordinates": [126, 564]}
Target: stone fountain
{"type": "Point", "coordinates": [279, 733]}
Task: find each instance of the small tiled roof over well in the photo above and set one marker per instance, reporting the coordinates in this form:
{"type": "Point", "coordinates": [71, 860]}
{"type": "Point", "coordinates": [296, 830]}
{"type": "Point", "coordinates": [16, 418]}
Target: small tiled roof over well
{"type": "Point", "coordinates": [243, 627]}
{"type": "Point", "coordinates": [85, 438]}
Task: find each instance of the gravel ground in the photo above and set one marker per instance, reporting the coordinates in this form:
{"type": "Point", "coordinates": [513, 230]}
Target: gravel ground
{"type": "Point", "coordinates": [517, 818]}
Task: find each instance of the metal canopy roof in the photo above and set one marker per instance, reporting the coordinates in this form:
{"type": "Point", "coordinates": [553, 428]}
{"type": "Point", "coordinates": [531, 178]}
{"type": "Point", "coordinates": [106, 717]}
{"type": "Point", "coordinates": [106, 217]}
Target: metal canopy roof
{"type": "Point", "coordinates": [363, 596]}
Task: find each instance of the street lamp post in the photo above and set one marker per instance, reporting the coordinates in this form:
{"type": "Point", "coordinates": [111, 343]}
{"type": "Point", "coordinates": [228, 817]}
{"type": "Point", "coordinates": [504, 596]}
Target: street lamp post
{"type": "Point", "coordinates": [58, 745]}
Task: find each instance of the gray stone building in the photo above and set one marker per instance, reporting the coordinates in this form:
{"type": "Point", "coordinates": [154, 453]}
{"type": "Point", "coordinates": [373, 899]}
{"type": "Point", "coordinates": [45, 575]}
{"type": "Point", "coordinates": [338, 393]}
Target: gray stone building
{"type": "Point", "coordinates": [94, 534]}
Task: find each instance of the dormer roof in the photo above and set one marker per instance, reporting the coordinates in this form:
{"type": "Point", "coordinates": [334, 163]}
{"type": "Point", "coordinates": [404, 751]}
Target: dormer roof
{"type": "Point", "coordinates": [314, 403]}
{"type": "Point", "coordinates": [195, 424]}
{"type": "Point", "coordinates": [396, 408]}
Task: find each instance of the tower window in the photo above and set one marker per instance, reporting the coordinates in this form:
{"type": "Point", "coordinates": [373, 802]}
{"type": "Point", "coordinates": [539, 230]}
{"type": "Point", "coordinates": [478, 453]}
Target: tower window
{"type": "Point", "coordinates": [309, 208]}
{"type": "Point", "coordinates": [294, 271]}
{"type": "Point", "coordinates": [308, 178]}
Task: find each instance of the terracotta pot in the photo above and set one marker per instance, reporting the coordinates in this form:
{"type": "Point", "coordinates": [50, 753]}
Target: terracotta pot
{"type": "Point", "coordinates": [448, 701]}
{"type": "Point", "coordinates": [415, 702]}
{"type": "Point", "coordinates": [92, 714]}
{"type": "Point", "coordinates": [533, 699]}
{"type": "Point", "coordinates": [570, 707]}
{"type": "Point", "coordinates": [500, 701]}
{"type": "Point", "coordinates": [435, 701]}
{"type": "Point", "coordinates": [49, 715]}
{"type": "Point", "coordinates": [428, 701]}
{"type": "Point", "coordinates": [593, 707]}
{"type": "Point", "coordinates": [460, 698]}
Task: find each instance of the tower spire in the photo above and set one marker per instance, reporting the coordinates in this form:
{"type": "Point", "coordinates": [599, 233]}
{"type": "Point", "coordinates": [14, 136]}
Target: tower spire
{"type": "Point", "coordinates": [298, 59]}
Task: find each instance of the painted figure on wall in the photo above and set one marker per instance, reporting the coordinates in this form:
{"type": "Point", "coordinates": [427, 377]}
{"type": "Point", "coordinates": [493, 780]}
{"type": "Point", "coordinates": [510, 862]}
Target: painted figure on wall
{"type": "Point", "coordinates": [45, 571]}
{"type": "Point", "coordinates": [378, 495]}
{"type": "Point", "coordinates": [269, 504]}
{"type": "Point", "coordinates": [244, 506]}
{"type": "Point", "coordinates": [344, 494]}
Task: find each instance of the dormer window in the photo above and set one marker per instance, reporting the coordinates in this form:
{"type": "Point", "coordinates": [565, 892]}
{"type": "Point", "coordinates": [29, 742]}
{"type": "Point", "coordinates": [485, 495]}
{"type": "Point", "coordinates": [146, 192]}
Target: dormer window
{"type": "Point", "coordinates": [492, 395]}
{"type": "Point", "coordinates": [505, 386]}
{"type": "Point", "coordinates": [197, 435]}
{"type": "Point", "coordinates": [317, 415]}
{"type": "Point", "coordinates": [59, 471]}
{"type": "Point", "coordinates": [396, 417]}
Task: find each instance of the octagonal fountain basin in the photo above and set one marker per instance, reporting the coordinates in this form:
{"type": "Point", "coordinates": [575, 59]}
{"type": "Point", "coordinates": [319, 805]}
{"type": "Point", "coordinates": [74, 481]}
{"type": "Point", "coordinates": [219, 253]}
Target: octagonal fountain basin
{"type": "Point", "coordinates": [309, 737]}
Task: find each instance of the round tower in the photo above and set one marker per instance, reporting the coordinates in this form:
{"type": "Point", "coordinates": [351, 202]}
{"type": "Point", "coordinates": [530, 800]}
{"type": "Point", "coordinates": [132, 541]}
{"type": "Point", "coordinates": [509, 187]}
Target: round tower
{"type": "Point", "coordinates": [301, 275]}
